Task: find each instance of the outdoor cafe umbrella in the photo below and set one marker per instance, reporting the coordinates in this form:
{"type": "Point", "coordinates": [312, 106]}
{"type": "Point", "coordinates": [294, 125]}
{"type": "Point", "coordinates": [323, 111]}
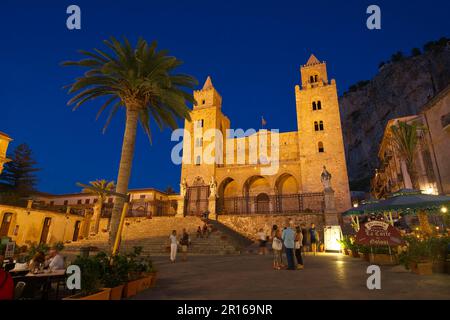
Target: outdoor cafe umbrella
{"type": "Point", "coordinates": [406, 200]}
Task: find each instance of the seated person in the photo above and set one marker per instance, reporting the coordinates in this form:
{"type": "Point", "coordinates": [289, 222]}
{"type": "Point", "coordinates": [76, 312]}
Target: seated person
{"type": "Point", "coordinates": [205, 230]}
{"type": "Point", "coordinates": [55, 261]}
{"type": "Point", "coordinates": [37, 260]}
{"type": "Point", "coordinates": [6, 283]}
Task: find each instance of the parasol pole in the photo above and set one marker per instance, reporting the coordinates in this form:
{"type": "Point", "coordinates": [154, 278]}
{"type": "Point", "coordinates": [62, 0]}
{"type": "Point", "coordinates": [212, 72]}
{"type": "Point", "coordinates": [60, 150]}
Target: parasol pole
{"type": "Point", "coordinates": [357, 222]}
{"type": "Point", "coordinates": [390, 218]}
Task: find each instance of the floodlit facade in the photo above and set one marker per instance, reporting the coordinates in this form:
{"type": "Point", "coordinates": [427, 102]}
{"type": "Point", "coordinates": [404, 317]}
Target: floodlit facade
{"type": "Point", "coordinates": [432, 166]}
{"type": "Point", "coordinates": [242, 185]}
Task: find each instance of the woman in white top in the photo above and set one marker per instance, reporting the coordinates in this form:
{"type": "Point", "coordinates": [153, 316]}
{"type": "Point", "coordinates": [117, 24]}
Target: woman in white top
{"type": "Point", "coordinates": [173, 245]}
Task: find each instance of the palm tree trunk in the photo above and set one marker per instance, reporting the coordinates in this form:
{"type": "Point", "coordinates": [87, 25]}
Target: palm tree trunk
{"type": "Point", "coordinates": [126, 160]}
{"type": "Point", "coordinates": [406, 175]}
{"type": "Point", "coordinates": [97, 216]}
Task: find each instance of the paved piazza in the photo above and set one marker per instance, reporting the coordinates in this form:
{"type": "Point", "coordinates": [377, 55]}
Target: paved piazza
{"type": "Point", "coordinates": [250, 276]}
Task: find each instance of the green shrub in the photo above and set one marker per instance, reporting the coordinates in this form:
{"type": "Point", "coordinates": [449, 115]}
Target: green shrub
{"type": "Point", "coordinates": [424, 250]}
{"type": "Point", "coordinates": [91, 271]}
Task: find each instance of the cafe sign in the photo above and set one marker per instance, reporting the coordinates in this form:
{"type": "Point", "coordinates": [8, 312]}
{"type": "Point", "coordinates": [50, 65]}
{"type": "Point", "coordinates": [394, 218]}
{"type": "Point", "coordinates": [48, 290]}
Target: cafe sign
{"type": "Point", "coordinates": [378, 233]}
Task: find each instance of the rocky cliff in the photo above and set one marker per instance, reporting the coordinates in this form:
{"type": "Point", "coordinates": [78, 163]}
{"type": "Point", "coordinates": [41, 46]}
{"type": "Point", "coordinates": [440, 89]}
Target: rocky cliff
{"type": "Point", "coordinates": [399, 89]}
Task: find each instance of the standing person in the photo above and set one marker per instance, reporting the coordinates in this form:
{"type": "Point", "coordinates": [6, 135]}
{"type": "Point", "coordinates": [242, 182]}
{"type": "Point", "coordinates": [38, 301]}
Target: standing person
{"type": "Point", "coordinates": [173, 246]}
{"type": "Point", "coordinates": [184, 244]}
{"type": "Point", "coordinates": [262, 237]}
{"type": "Point", "coordinates": [314, 236]}
{"type": "Point", "coordinates": [199, 232]}
{"type": "Point", "coordinates": [298, 247]}
{"type": "Point", "coordinates": [277, 247]}
{"type": "Point", "coordinates": [288, 237]}
{"type": "Point", "coordinates": [305, 237]}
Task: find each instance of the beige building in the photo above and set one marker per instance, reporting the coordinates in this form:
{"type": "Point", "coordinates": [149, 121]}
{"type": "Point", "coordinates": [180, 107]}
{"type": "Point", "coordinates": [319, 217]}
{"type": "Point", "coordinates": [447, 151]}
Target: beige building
{"type": "Point", "coordinates": [4, 142]}
{"type": "Point", "coordinates": [228, 185]}
{"type": "Point", "coordinates": [432, 155]}
{"type": "Point", "coordinates": [30, 225]}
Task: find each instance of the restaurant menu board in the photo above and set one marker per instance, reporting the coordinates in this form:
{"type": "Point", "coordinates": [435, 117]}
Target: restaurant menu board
{"type": "Point", "coordinates": [9, 252]}
{"type": "Point", "coordinates": [378, 233]}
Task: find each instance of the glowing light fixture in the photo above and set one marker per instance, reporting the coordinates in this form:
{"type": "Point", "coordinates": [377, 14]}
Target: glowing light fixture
{"type": "Point", "coordinates": [444, 209]}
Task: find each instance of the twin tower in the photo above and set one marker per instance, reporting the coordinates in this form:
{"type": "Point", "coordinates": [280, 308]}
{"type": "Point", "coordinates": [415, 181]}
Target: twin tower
{"type": "Point", "coordinates": [302, 154]}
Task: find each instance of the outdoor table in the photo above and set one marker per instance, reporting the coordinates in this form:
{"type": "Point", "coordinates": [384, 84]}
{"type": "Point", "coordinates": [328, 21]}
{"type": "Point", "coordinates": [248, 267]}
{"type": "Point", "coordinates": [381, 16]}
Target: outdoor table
{"type": "Point", "coordinates": [43, 278]}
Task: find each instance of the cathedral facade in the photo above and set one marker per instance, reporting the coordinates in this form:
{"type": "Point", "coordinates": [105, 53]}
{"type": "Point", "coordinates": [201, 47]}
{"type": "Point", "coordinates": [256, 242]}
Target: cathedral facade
{"type": "Point", "coordinates": [237, 182]}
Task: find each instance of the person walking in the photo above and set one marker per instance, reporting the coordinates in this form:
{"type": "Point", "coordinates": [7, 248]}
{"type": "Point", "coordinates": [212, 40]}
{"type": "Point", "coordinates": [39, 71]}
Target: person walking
{"type": "Point", "coordinates": [288, 237]}
{"type": "Point", "coordinates": [184, 244]}
{"type": "Point", "coordinates": [277, 247]}
{"type": "Point", "coordinates": [173, 246]}
{"type": "Point", "coordinates": [298, 247]}
{"type": "Point", "coordinates": [314, 236]}
{"type": "Point", "coordinates": [262, 237]}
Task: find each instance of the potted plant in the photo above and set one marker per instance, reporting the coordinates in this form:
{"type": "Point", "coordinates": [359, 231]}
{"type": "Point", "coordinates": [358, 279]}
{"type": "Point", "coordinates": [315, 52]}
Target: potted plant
{"type": "Point", "coordinates": [91, 271]}
{"type": "Point", "coordinates": [418, 256]}
{"type": "Point", "coordinates": [138, 280]}
{"type": "Point", "coordinates": [354, 249]}
{"type": "Point", "coordinates": [345, 242]}
{"type": "Point", "coordinates": [114, 273]}
{"type": "Point", "coordinates": [364, 252]}
{"type": "Point", "coordinates": [383, 255]}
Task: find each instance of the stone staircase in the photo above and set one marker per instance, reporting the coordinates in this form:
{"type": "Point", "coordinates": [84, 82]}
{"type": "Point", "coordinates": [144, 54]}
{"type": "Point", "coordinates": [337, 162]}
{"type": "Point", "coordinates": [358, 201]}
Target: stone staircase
{"type": "Point", "coordinates": [153, 234]}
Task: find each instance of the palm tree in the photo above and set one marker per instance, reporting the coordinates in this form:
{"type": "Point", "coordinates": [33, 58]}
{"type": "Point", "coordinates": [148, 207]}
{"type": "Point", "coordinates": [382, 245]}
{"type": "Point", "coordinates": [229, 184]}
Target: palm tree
{"type": "Point", "coordinates": [101, 189]}
{"type": "Point", "coordinates": [143, 81]}
{"type": "Point", "coordinates": [405, 139]}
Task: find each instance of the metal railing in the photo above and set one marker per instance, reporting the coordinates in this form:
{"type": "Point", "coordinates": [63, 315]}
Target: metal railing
{"type": "Point", "coordinates": [288, 203]}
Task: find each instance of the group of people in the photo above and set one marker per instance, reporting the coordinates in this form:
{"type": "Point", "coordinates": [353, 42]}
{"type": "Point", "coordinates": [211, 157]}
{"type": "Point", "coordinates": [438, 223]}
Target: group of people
{"type": "Point", "coordinates": [53, 261]}
{"type": "Point", "coordinates": [203, 232]}
{"type": "Point", "coordinates": [184, 241]}
{"type": "Point", "coordinates": [293, 240]}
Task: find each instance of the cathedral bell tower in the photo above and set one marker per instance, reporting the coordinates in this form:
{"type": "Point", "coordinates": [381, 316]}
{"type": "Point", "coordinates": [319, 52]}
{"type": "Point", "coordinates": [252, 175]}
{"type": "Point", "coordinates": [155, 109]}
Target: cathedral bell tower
{"type": "Point", "coordinates": [203, 147]}
{"type": "Point", "coordinates": [319, 132]}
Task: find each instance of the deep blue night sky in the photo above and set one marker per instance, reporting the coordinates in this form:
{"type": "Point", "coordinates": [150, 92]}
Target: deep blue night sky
{"type": "Point", "coordinates": [252, 50]}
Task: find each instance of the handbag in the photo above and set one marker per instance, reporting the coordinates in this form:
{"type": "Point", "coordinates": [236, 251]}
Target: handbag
{"type": "Point", "coordinates": [277, 244]}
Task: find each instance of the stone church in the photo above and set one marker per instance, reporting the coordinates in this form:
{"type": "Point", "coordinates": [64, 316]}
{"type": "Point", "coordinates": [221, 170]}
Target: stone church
{"type": "Point", "coordinates": [311, 175]}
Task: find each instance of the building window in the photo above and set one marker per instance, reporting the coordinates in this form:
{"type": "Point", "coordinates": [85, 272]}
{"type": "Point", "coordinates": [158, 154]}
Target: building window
{"type": "Point", "coordinates": [199, 123]}
{"type": "Point", "coordinates": [318, 126]}
{"type": "Point", "coordinates": [66, 202]}
{"type": "Point", "coordinates": [52, 203]}
{"type": "Point", "coordinates": [203, 101]}
{"type": "Point", "coordinates": [110, 200]}
{"type": "Point", "coordinates": [197, 161]}
{"type": "Point", "coordinates": [87, 201]}
{"type": "Point", "coordinates": [199, 142]}
{"type": "Point", "coordinates": [142, 196]}
{"type": "Point", "coordinates": [317, 105]}
{"type": "Point", "coordinates": [79, 201]}
{"type": "Point", "coordinates": [314, 78]}
{"type": "Point", "coordinates": [320, 145]}
{"type": "Point", "coordinates": [95, 200]}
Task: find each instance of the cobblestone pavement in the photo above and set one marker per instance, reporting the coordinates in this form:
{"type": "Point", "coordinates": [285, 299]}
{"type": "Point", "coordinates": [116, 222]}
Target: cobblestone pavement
{"type": "Point", "coordinates": [326, 276]}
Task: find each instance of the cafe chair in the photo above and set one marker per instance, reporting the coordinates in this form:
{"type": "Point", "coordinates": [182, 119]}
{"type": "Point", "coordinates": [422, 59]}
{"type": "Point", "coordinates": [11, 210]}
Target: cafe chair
{"type": "Point", "coordinates": [18, 290]}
